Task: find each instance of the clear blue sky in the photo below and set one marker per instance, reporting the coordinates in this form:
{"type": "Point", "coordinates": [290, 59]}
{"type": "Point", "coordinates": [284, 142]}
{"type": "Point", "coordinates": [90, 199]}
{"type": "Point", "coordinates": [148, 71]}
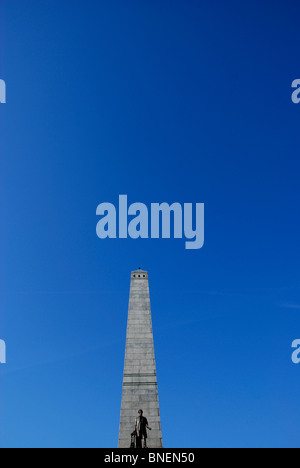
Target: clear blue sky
{"type": "Point", "coordinates": [186, 101]}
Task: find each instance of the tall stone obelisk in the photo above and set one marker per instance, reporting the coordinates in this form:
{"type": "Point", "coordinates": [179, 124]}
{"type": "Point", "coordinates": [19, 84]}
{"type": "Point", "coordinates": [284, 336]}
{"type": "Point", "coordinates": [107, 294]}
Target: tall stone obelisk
{"type": "Point", "coordinates": [140, 380]}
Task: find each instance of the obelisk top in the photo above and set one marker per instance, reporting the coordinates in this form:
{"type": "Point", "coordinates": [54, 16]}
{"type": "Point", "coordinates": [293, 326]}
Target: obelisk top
{"type": "Point", "coordinates": [139, 274]}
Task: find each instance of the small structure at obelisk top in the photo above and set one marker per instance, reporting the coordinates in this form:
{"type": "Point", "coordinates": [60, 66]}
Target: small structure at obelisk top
{"type": "Point", "coordinates": [140, 425]}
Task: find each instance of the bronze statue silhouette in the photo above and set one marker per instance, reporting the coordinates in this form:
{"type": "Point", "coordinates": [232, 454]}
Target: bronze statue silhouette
{"type": "Point", "coordinates": [140, 432]}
